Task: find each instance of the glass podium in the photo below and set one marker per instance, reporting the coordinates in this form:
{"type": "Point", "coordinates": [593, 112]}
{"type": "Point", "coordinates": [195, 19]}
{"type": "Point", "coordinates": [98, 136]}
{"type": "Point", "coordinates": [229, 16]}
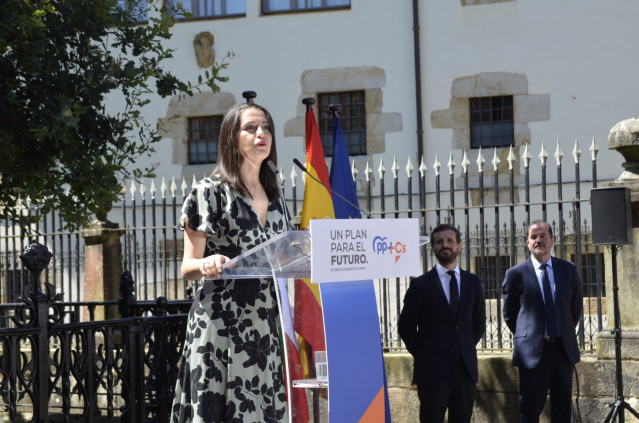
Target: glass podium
{"type": "Point", "coordinates": [284, 258]}
{"type": "Point", "coordinates": [354, 388]}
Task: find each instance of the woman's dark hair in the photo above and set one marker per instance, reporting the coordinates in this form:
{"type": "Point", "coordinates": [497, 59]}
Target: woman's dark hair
{"type": "Point", "coordinates": [230, 159]}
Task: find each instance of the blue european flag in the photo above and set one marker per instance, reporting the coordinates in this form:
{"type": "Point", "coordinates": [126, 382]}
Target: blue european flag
{"type": "Point", "coordinates": [342, 183]}
{"type": "Point", "coordinates": [341, 177]}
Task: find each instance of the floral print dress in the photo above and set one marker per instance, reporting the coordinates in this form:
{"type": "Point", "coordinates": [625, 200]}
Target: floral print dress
{"type": "Point", "coordinates": [231, 368]}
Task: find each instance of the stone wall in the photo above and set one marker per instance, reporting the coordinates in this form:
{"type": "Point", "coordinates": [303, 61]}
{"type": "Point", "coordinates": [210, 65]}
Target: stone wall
{"type": "Point", "coordinates": [497, 391]}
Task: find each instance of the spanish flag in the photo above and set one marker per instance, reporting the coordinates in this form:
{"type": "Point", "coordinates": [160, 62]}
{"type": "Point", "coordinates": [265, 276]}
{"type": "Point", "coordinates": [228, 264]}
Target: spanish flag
{"type": "Point", "coordinates": [318, 204]}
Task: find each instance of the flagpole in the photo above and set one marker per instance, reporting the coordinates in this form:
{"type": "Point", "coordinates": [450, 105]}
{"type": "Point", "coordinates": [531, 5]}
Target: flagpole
{"type": "Point", "coordinates": [309, 102]}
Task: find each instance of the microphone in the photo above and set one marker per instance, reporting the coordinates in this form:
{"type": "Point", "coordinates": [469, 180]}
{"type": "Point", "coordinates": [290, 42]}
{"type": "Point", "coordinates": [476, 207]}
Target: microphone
{"type": "Point", "coordinates": [301, 166]}
{"type": "Point", "coordinates": [289, 227]}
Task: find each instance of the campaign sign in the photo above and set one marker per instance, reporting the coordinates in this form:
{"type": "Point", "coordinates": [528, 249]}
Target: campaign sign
{"type": "Point", "coordinates": [357, 249]}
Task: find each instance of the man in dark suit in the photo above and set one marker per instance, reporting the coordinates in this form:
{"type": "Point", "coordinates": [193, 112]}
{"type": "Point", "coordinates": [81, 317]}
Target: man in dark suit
{"type": "Point", "coordinates": [443, 319]}
{"type": "Point", "coordinates": [542, 307]}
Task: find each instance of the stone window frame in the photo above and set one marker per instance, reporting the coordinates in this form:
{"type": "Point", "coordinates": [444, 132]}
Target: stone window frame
{"type": "Point", "coordinates": [367, 78]}
{"type": "Point", "coordinates": [371, 79]}
{"type": "Point", "coordinates": [176, 125]}
{"type": "Point", "coordinates": [527, 108]}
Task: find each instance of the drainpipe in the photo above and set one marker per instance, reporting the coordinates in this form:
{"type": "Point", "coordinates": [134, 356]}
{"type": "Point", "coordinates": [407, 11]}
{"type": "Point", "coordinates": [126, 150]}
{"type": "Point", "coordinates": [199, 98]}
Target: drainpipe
{"type": "Point", "coordinates": [418, 82]}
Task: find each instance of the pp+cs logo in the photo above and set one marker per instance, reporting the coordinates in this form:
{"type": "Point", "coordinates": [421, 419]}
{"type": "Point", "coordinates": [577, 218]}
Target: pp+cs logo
{"type": "Point", "coordinates": [382, 246]}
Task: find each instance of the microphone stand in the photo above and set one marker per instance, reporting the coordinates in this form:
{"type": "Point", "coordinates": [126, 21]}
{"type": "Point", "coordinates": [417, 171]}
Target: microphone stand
{"type": "Point", "coordinates": [289, 226]}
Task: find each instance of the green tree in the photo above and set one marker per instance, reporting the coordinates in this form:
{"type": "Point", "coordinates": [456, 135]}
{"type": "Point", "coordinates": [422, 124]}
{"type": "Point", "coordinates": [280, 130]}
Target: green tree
{"type": "Point", "coordinates": [59, 61]}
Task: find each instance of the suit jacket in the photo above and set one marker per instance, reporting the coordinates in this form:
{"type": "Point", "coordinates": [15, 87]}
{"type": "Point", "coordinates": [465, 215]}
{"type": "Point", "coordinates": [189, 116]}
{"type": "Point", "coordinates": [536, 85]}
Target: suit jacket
{"type": "Point", "coordinates": [525, 313]}
{"type": "Point", "coordinates": [433, 335]}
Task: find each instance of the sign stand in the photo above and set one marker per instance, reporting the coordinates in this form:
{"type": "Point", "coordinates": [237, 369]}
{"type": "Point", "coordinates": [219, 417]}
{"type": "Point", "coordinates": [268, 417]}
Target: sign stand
{"type": "Point", "coordinates": [356, 374]}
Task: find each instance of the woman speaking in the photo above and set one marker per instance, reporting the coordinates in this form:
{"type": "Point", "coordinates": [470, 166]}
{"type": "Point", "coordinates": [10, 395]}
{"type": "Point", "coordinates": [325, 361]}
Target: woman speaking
{"type": "Point", "coordinates": [232, 367]}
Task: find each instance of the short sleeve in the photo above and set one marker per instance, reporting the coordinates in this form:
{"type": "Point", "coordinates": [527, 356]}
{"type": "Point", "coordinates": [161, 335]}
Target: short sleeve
{"type": "Point", "coordinates": [200, 208]}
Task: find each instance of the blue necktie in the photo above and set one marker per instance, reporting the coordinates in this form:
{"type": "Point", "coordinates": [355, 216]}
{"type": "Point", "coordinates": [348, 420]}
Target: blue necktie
{"type": "Point", "coordinates": [551, 318]}
{"type": "Point", "coordinates": [454, 293]}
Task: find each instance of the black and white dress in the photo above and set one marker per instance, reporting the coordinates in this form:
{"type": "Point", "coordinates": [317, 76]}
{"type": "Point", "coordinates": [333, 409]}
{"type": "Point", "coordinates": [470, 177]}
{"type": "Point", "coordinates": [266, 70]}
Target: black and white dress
{"type": "Point", "coordinates": [231, 368]}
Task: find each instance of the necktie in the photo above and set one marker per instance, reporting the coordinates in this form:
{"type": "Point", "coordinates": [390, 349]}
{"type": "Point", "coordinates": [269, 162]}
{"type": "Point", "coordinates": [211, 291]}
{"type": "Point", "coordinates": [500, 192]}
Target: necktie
{"type": "Point", "coordinates": [551, 318]}
{"type": "Point", "coordinates": [454, 293]}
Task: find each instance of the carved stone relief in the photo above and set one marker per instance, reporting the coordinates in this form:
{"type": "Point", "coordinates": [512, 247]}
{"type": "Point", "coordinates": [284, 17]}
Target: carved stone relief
{"type": "Point", "coordinates": [204, 53]}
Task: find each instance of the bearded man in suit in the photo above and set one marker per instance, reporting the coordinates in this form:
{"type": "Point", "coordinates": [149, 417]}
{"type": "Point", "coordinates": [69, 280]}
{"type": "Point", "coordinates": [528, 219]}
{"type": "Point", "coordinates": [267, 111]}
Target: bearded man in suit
{"type": "Point", "coordinates": [542, 307]}
{"type": "Point", "coordinates": [441, 322]}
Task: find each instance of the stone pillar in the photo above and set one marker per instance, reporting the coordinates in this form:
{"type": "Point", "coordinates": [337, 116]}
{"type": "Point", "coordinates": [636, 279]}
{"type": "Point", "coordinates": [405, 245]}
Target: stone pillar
{"type": "Point", "coordinates": [102, 265]}
{"type": "Point", "coordinates": [624, 137]}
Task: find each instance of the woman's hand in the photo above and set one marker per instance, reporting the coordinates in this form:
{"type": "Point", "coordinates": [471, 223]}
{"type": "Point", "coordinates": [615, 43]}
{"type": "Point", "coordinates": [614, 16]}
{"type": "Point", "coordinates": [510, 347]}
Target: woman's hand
{"type": "Point", "coordinates": [194, 266]}
{"type": "Point", "coordinates": [211, 266]}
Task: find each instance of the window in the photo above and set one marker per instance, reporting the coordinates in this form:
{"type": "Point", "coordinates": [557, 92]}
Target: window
{"type": "Point", "coordinates": [352, 118]}
{"type": "Point", "coordinates": [270, 6]}
{"type": "Point", "coordinates": [209, 8]}
{"type": "Point", "coordinates": [204, 134]}
{"type": "Point", "coordinates": [139, 9]}
{"type": "Point", "coordinates": [491, 121]}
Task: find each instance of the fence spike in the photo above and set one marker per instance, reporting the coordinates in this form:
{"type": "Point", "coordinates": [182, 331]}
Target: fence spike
{"type": "Point", "coordinates": [480, 161]}
{"type": "Point", "coordinates": [381, 169]}
{"type": "Point", "coordinates": [173, 187]}
{"type": "Point", "coordinates": [525, 156]}
{"type": "Point", "coordinates": [163, 188]}
{"type": "Point", "coordinates": [576, 151]}
{"type": "Point", "coordinates": [193, 182]}
{"type": "Point", "coordinates": [281, 175]}
{"type": "Point", "coordinates": [394, 167]}
{"type": "Point", "coordinates": [451, 164]}
{"type": "Point", "coordinates": [409, 167]}
{"type": "Point", "coordinates": [465, 162]}
{"type": "Point", "coordinates": [511, 158]}
{"type": "Point", "coordinates": [558, 154]}
{"type": "Point", "coordinates": [496, 160]}
{"type": "Point", "coordinates": [184, 187]}
{"type": "Point", "coordinates": [293, 177]}
{"type": "Point", "coordinates": [142, 191]}
{"type": "Point", "coordinates": [133, 190]}
{"type": "Point", "coordinates": [368, 170]}
{"type": "Point", "coordinates": [153, 189]}
{"type": "Point", "coordinates": [422, 168]}
{"type": "Point", "coordinates": [594, 149]}
{"type": "Point", "coordinates": [354, 170]}
{"type": "Point", "coordinates": [542, 154]}
{"type": "Point", "coordinates": [436, 165]}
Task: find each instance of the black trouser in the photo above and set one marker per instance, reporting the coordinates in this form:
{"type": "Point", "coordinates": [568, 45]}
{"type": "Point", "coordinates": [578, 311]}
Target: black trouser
{"type": "Point", "coordinates": [458, 396]}
{"type": "Point", "coordinates": [554, 373]}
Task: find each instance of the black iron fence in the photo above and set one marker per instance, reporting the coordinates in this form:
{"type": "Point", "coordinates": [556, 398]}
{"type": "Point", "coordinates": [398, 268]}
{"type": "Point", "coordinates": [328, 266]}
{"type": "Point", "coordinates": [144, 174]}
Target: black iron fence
{"type": "Point", "coordinates": [491, 204]}
{"type": "Point", "coordinates": [122, 369]}
{"type": "Point", "coordinates": [56, 368]}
